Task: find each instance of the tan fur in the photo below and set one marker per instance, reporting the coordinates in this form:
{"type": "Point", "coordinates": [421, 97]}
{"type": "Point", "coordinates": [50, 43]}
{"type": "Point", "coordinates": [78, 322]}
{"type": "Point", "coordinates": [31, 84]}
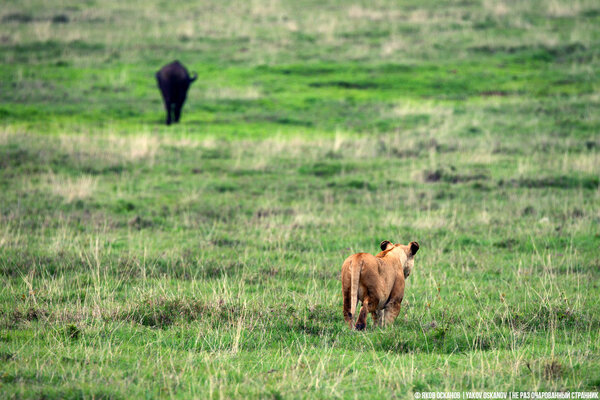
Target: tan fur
{"type": "Point", "coordinates": [378, 282]}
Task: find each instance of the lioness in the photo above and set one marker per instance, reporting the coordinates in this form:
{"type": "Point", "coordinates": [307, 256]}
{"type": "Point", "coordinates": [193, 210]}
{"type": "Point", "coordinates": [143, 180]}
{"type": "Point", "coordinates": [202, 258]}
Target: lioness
{"type": "Point", "coordinates": [378, 282]}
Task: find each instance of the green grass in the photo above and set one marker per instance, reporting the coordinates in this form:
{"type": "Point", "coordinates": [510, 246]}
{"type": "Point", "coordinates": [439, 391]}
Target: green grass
{"type": "Point", "coordinates": [203, 259]}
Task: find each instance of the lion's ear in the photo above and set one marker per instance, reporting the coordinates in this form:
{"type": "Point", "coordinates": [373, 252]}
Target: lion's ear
{"type": "Point", "coordinates": [414, 247]}
{"type": "Point", "coordinates": [385, 245]}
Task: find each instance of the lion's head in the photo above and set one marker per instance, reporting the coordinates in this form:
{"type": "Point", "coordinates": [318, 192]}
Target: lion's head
{"type": "Point", "coordinates": [406, 253]}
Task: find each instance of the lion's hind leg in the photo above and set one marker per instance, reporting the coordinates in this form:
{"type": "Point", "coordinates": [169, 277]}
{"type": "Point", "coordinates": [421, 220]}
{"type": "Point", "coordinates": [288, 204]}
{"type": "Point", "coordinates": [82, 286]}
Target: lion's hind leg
{"type": "Point", "coordinates": [368, 306]}
{"type": "Point", "coordinates": [391, 311]}
{"type": "Point", "coordinates": [348, 317]}
{"type": "Point", "coordinates": [362, 317]}
{"type": "Point", "coordinates": [378, 317]}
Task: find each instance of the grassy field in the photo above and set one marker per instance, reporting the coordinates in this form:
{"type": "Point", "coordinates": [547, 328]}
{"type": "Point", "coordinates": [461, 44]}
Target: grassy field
{"type": "Point", "coordinates": [202, 259]}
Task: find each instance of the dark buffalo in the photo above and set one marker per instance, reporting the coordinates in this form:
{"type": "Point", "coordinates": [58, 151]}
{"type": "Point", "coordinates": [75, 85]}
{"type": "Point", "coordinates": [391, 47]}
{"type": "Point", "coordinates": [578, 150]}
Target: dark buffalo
{"type": "Point", "coordinates": [174, 82]}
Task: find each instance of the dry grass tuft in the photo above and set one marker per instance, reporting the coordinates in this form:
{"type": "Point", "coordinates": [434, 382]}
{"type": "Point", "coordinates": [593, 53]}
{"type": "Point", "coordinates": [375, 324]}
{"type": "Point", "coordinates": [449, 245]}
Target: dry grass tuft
{"type": "Point", "coordinates": [111, 148]}
{"type": "Point", "coordinates": [553, 370]}
{"type": "Point", "coordinates": [72, 189]}
{"type": "Point", "coordinates": [358, 12]}
{"type": "Point", "coordinates": [227, 93]}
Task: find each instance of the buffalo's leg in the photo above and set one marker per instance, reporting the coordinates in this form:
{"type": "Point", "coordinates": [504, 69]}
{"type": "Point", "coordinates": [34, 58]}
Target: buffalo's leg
{"type": "Point", "coordinates": [169, 112]}
{"type": "Point", "coordinates": [177, 111]}
{"type": "Point", "coordinates": [164, 90]}
{"type": "Point", "coordinates": [168, 106]}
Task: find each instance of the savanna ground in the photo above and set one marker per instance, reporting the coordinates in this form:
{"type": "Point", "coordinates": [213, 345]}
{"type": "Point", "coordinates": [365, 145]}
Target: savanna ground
{"type": "Point", "coordinates": [202, 259]}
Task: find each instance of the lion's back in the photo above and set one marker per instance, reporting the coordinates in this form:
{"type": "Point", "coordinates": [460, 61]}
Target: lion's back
{"type": "Point", "coordinates": [365, 260]}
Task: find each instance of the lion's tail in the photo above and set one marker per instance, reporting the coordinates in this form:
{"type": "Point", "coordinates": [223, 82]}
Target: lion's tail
{"type": "Point", "coordinates": [355, 269]}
